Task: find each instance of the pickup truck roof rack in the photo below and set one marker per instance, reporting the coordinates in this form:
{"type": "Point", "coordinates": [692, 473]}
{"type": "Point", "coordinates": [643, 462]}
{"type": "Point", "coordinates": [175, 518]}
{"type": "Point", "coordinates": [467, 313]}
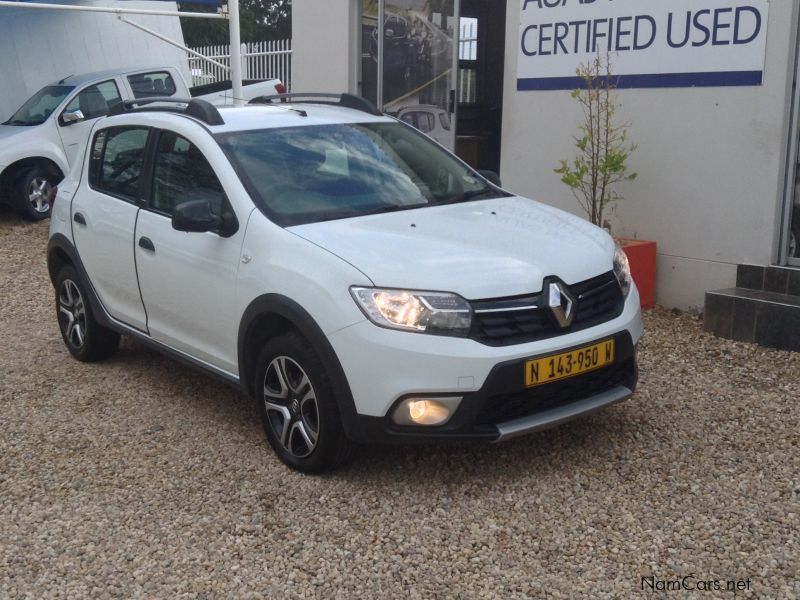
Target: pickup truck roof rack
{"type": "Point", "coordinates": [344, 100]}
{"type": "Point", "coordinates": [202, 110]}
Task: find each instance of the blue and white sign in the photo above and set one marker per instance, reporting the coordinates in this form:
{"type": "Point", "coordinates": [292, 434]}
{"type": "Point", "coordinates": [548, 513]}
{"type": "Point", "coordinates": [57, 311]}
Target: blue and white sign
{"type": "Point", "coordinates": [653, 43]}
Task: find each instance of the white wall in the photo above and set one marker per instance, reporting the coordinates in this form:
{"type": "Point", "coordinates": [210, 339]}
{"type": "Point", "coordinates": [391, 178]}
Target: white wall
{"type": "Point", "coordinates": [41, 46]}
{"type": "Point", "coordinates": [325, 45]}
{"type": "Point", "coordinates": [710, 164]}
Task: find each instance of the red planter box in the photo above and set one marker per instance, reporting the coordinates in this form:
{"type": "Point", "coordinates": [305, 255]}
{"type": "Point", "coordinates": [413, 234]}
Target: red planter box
{"type": "Point", "coordinates": [642, 256]}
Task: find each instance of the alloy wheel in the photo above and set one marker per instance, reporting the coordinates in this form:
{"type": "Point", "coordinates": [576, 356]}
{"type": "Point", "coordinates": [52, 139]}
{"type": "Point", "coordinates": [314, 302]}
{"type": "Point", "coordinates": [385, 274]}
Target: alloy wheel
{"type": "Point", "coordinates": [72, 313]}
{"type": "Point", "coordinates": [291, 406]}
{"type": "Point", "coordinates": [38, 190]}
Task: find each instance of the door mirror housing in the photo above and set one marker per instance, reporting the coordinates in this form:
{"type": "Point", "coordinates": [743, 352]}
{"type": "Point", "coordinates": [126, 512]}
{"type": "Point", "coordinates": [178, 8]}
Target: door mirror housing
{"type": "Point", "coordinates": [196, 217]}
{"type": "Point", "coordinates": [491, 177]}
{"type": "Point", "coordinates": [72, 116]}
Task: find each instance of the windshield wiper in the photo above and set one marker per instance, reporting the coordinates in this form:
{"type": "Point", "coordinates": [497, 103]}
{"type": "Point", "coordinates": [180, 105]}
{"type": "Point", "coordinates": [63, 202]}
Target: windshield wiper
{"type": "Point", "coordinates": [19, 122]}
{"type": "Point", "coordinates": [484, 193]}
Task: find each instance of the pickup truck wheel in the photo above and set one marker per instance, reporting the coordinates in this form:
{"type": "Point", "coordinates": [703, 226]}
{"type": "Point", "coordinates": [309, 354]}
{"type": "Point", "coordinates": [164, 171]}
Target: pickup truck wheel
{"type": "Point", "coordinates": [297, 406]}
{"type": "Point", "coordinates": [85, 338]}
{"type": "Point", "coordinates": [29, 195]}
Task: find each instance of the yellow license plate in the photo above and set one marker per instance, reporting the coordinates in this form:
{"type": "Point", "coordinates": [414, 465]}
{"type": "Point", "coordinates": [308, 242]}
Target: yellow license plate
{"type": "Point", "coordinates": [569, 364]}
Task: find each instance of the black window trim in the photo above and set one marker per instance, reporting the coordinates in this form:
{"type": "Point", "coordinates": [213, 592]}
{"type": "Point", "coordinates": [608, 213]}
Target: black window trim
{"type": "Point", "coordinates": [78, 93]}
{"type": "Point", "coordinates": [150, 172]}
{"type": "Point", "coordinates": [91, 179]}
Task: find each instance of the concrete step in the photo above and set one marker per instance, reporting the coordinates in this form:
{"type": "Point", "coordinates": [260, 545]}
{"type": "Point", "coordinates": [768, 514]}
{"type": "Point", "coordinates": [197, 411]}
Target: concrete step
{"type": "Point", "coordinates": [783, 280]}
{"type": "Point", "coordinates": [771, 319]}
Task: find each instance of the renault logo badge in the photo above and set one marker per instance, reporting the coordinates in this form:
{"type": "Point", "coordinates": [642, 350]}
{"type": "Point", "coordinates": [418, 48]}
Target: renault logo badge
{"type": "Point", "coordinates": [561, 304]}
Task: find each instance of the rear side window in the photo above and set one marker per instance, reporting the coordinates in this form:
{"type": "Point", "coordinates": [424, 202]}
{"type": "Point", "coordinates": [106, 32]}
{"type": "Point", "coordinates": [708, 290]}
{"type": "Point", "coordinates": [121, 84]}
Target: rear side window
{"type": "Point", "coordinates": [149, 85]}
{"type": "Point", "coordinates": [182, 174]}
{"type": "Point", "coordinates": [117, 160]}
{"type": "Point", "coordinates": [96, 100]}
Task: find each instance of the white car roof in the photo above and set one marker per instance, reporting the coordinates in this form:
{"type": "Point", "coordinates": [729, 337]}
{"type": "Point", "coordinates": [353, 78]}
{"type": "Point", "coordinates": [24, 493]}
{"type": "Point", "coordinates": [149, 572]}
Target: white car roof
{"type": "Point", "coordinates": [83, 78]}
{"type": "Point", "coordinates": [265, 116]}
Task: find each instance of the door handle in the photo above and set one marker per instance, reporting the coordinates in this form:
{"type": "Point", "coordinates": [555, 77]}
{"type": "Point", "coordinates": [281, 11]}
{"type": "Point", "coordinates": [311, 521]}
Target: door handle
{"type": "Point", "coordinates": [147, 244]}
{"type": "Point", "coordinates": [79, 219]}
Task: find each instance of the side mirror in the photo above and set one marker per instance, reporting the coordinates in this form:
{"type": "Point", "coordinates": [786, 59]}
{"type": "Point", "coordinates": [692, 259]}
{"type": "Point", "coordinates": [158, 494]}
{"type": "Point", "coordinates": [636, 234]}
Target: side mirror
{"type": "Point", "coordinates": [491, 177]}
{"type": "Point", "coordinates": [72, 116]}
{"type": "Point", "coordinates": [195, 217]}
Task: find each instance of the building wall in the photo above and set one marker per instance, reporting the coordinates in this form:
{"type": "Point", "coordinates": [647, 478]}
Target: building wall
{"type": "Point", "coordinates": [325, 45]}
{"type": "Point", "coordinates": [710, 164]}
{"type": "Point", "coordinates": [41, 46]}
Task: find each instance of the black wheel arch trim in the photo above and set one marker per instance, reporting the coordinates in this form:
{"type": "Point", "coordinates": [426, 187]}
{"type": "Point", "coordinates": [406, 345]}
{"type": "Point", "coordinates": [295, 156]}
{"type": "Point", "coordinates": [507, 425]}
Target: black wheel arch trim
{"type": "Point", "coordinates": [291, 311]}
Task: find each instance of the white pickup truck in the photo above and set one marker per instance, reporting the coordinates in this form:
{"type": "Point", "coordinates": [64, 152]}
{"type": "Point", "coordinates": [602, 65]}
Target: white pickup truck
{"type": "Point", "coordinates": [40, 141]}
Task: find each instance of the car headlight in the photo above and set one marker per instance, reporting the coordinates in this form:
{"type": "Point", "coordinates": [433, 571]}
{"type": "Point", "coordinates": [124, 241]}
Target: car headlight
{"type": "Point", "coordinates": [622, 269]}
{"type": "Point", "coordinates": [422, 312]}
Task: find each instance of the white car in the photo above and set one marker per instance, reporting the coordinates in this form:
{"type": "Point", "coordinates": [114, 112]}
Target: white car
{"type": "Point", "coordinates": [431, 120]}
{"type": "Point", "coordinates": [39, 142]}
{"type": "Point", "coordinates": [361, 282]}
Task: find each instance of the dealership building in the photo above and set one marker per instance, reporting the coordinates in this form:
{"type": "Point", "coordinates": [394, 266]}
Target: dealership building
{"type": "Point", "coordinates": [707, 87]}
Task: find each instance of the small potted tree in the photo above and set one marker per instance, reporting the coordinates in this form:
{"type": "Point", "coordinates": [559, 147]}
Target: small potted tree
{"type": "Point", "coordinates": [602, 162]}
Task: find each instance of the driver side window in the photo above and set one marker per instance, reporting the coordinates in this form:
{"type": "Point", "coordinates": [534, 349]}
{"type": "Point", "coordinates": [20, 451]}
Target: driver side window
{"type": "Point", "coordinates": [96, 100]}
{"type": "Point", "coordinates": [117, 160]}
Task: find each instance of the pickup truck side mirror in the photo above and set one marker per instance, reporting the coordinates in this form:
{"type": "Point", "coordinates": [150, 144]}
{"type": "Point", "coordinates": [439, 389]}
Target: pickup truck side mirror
{"type": "Point", "coordinates": [72, 116]}
{"type": "Point", "coordinates": [491, 177]}
{"type": "Point", "coordinates": [196, 217]}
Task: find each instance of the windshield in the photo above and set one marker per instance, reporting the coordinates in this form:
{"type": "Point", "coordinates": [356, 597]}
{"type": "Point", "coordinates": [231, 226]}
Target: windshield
{"type": "Point", "coordinates": [317, 173]}
{"type": "Point", "coordinates": [40, 106]}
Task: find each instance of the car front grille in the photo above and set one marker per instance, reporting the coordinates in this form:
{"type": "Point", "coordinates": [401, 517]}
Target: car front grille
{"type": "Point", "coordinates": [523, 403]}
{"type": "Point", "coordinates": [508, 321]}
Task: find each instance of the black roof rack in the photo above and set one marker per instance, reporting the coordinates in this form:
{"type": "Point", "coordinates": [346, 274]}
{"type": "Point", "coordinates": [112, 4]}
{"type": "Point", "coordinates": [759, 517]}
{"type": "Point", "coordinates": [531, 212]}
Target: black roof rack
{"type": "Point", "coordinates": [343, 100]}
{"type": "Point", "coordinates": [202, 110]}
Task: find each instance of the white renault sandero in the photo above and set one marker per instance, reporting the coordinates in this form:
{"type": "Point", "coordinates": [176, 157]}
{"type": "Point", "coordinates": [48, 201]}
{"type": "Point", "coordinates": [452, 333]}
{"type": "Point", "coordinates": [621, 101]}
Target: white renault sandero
{"type": "Point", "coordinates": [362, 283]}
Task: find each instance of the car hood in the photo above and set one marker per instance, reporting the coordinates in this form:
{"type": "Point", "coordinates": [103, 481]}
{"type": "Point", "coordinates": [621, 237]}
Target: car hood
{"type": "Point", "coordinates": [482, 249]}
{"type": "Point", "coordinates": [9, 131]}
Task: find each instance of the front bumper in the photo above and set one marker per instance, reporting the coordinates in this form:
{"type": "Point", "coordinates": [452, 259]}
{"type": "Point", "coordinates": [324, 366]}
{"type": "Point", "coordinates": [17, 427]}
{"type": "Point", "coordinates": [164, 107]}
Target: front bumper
{"type": "Point", "coordinates": [504, 408]}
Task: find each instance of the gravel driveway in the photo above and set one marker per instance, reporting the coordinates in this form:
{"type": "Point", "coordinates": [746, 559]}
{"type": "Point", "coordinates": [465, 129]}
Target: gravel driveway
{"type": "Point", "coordinates": [142, 478]}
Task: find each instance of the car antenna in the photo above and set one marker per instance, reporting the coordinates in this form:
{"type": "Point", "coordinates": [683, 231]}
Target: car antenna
{"type": "Point", "coordinates": [65, 78]}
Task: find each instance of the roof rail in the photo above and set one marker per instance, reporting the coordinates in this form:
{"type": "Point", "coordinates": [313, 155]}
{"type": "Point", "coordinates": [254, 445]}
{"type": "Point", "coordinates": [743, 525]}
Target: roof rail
{"type": "Point", "coordinates": [344, 100]}
{"type": "Point", "coordinates": [202, 110]}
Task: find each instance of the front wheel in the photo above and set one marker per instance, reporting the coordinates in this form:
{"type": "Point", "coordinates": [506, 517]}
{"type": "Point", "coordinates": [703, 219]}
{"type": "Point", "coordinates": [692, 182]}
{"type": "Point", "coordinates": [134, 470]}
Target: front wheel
{"type": "Point", "coordinates": [297, 406]}
{"type": "Point", "coordinates": [30, 194]}
{"type": "Point", "coordinates": [85, 338]}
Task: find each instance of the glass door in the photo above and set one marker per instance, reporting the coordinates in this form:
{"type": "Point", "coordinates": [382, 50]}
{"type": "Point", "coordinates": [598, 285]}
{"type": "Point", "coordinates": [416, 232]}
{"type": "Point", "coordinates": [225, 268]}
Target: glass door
{"type": "Point", "coordinates": [410, 62]}
{"type": "Point", "coordinates": [790, 242]}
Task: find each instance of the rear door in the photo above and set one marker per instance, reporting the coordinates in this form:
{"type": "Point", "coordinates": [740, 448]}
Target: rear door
{"type": "Point", "coordinates": [188, 280]}
{"type": "Point", "coordinates": [104, 215]}
{"type": "Point", "coordinates": [94, 101]}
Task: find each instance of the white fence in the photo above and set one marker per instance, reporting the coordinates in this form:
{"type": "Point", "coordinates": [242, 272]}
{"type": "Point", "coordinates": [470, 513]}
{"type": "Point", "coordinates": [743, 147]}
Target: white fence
{"type": "Point", "coordinates": [261, 60]}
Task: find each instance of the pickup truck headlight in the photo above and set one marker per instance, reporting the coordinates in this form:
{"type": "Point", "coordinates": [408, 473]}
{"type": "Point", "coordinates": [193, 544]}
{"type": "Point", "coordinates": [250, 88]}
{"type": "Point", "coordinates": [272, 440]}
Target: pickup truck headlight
{"type": "Point", "coordinates": [622, 269]}
{"type": "Point", "coordinates": [422, 312]}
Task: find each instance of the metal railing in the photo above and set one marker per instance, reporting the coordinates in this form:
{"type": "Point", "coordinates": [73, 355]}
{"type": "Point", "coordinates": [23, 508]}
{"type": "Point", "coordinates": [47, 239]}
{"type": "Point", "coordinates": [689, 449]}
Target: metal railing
{"type": "Point", "coordinates": [260, 60]}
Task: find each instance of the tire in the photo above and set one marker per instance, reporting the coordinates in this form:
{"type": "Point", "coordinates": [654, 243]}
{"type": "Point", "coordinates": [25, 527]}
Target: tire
{"type": "Point", "coordinates": [297, 406]}
{"type": "Point", "coordinates": [29, 194]}
{"type": "Point", "coordinates": [85, 338]}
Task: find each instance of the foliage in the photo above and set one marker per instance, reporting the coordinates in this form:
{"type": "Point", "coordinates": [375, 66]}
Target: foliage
{"type": "Point", "coordinates": [261, 20]}
{"type": "Point", "coordinates": [602, 143]}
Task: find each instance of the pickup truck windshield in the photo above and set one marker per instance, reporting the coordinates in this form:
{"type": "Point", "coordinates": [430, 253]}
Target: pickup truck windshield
{"type": "Point", "coordinates": [314, 173]}
{"type": "Point", "coordinates": [40, 106]}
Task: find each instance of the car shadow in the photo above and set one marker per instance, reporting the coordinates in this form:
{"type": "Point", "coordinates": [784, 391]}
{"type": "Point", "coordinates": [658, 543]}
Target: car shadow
{"type": "Point", "coordinates": [597, 439]}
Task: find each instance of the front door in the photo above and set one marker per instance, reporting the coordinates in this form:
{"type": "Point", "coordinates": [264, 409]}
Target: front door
{"type": "Point", "coordinates": [93, 101]}
{"type": "Point", "coordinates": [410, 62]}
{"type": "Point", "coordinates": [188, 280]}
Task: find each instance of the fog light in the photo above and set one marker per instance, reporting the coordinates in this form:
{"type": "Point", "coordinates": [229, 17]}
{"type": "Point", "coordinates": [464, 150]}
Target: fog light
{"type": "Point", "coordinates": [426, 411]}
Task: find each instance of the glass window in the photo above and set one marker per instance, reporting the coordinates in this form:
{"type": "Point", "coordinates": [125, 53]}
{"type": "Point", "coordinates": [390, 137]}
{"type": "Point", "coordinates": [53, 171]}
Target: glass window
{"type": "Point", "coordinates": [323, 172]}
{"type": "Point", "coordinates": [96, 100]}
{"type": "Point", "coordinates": [149, 85]}
{"type": "Point", "coordinates": [182, 174]}
{"type": "Point", "coordinates": [40, 106]}
{"type": "Point", "coordinates": [117, 159]}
